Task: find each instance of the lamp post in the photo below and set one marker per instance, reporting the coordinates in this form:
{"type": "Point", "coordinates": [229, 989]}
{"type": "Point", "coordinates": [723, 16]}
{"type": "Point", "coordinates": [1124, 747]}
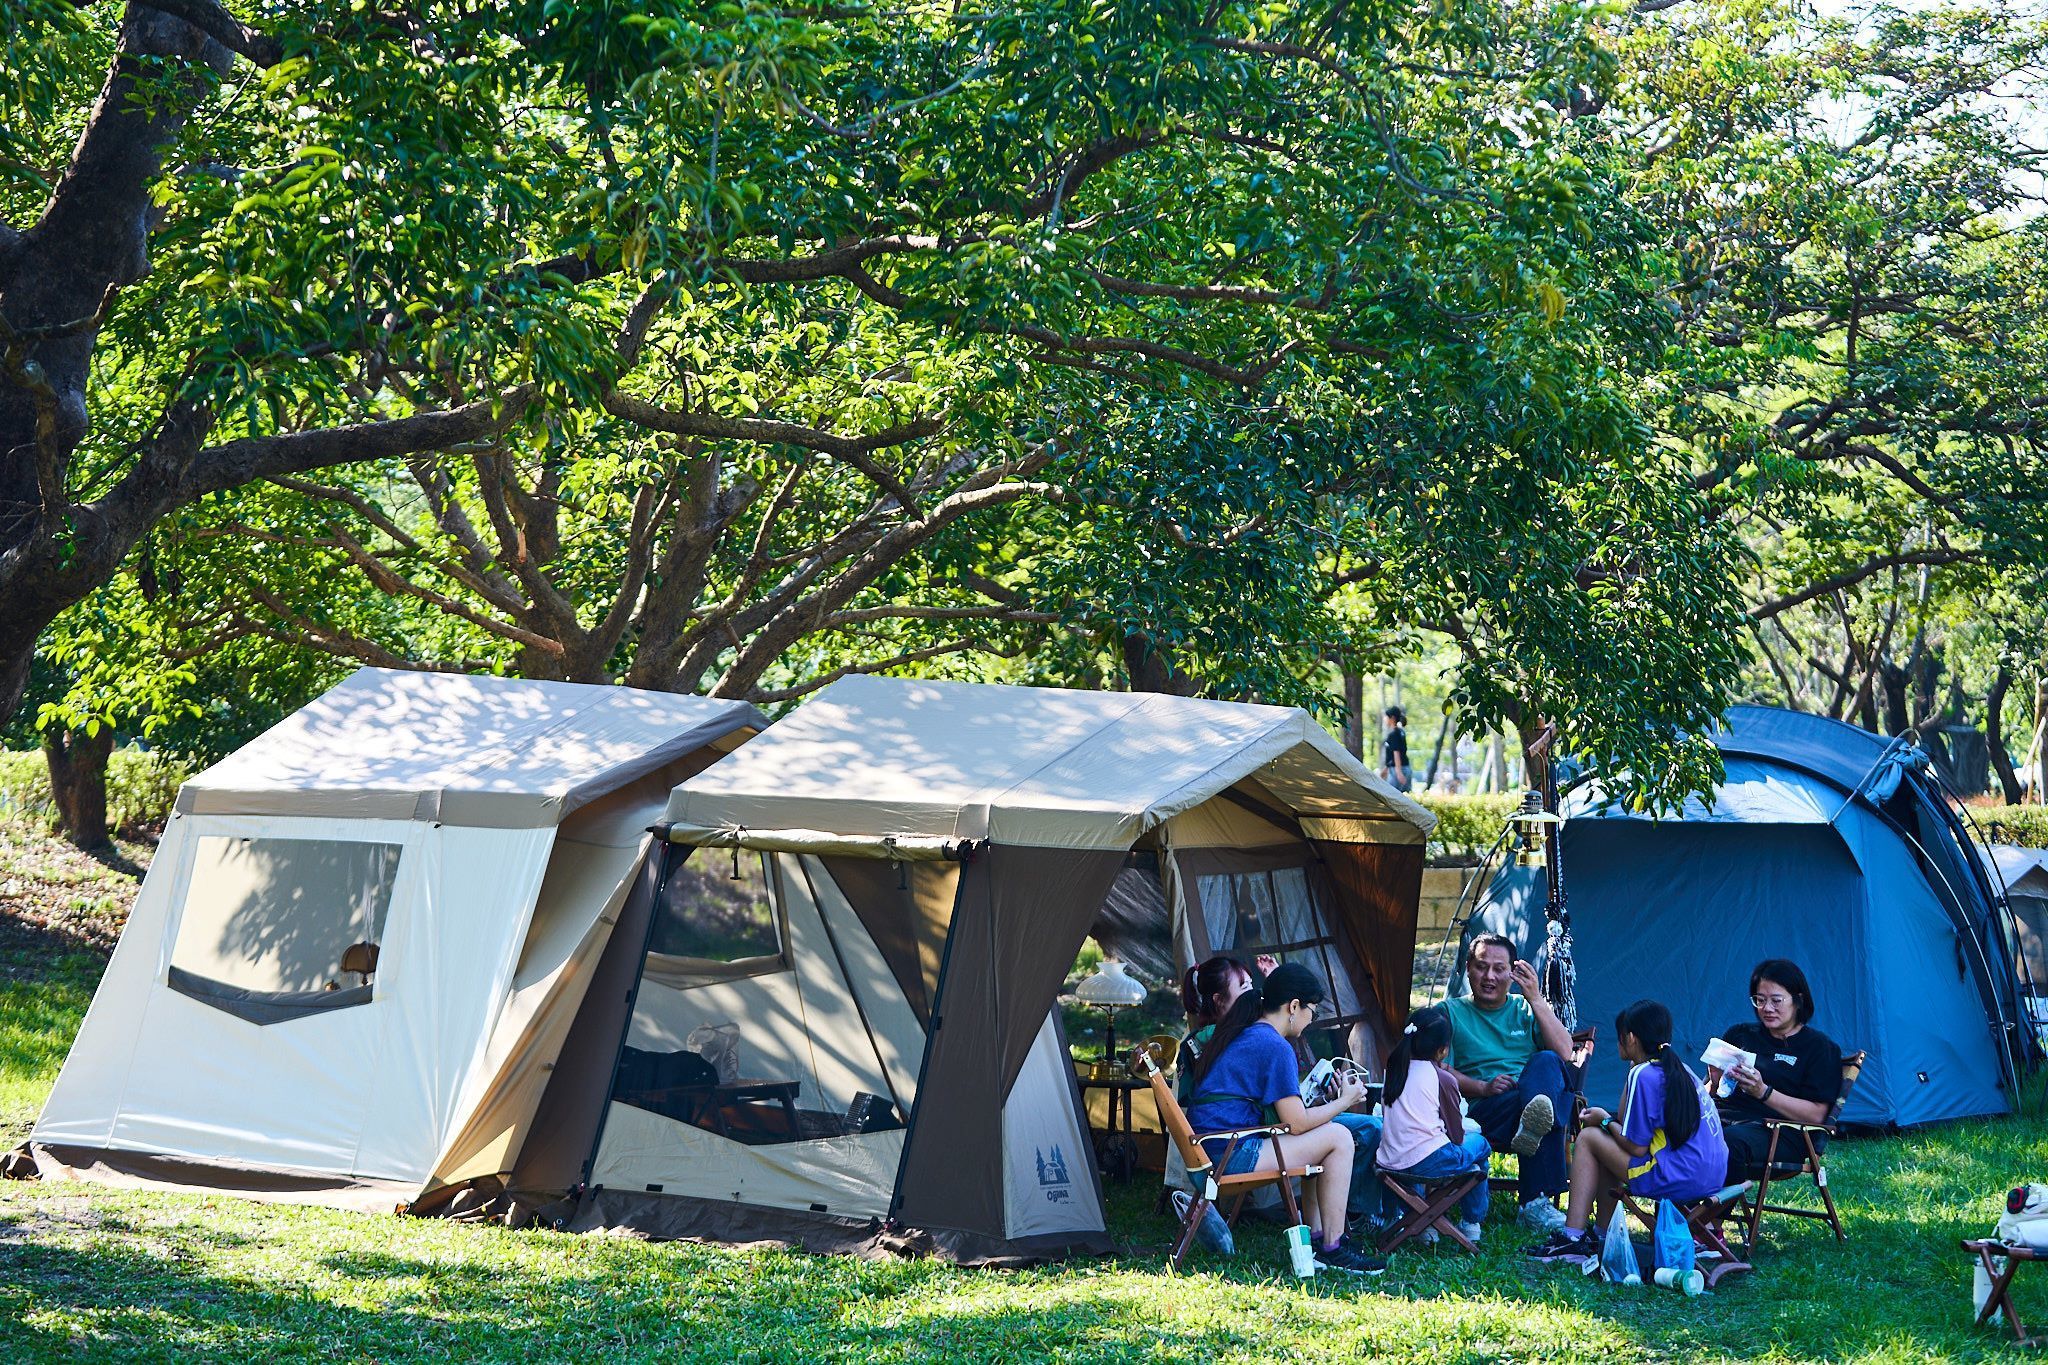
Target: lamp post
{"type": "Point", "coordinates": [1110, 989]}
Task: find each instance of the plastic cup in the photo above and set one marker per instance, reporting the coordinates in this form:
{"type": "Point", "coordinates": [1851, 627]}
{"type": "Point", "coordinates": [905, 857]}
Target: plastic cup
{"type": "Point", "coordinates": [1300, 1252]}
{"type": "Point", "coordinates": [1687, 1282]}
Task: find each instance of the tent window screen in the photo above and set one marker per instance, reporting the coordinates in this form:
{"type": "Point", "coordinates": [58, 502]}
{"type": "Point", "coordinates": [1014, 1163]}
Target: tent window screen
{"type": "Point", "coordinates": [276, 928]}
{"type": "Point", "coordinates": [1248, 913]}
{"type": "Point", "coordinates": [715, 916]}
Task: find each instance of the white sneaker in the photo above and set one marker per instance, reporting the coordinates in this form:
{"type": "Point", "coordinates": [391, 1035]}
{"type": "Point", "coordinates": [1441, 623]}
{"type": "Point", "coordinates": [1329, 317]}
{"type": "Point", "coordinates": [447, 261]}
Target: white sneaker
{"type": "Point", "coordinates": [1540, 1215]}
{"type": "Point", "coordinates": [1471, 1230]}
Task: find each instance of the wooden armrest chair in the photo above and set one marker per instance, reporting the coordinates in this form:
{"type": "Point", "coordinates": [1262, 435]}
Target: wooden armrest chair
{"type": "Point", "coordinates": [1797, 1142]}
{"type": "Point", "coordinates": [1989, 1252]}
{"type": "Point", "coordinates": [1210, 1188]}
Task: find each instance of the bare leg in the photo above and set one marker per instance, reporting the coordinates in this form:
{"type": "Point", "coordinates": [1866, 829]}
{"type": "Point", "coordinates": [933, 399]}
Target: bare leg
{"type": "Point", "coordinates": [1330, 1148]}
{"type": "Point", "coordinates": [1598, 1165]}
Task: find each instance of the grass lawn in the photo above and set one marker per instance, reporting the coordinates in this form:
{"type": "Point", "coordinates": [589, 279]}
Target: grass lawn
{"type": "Point", "coordinates": [102, 1275]}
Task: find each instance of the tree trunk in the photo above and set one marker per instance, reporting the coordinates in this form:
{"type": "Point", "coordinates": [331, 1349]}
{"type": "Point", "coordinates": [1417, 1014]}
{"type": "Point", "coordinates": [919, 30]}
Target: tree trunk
{"type": "Point", "coordinates": [1994, 736]}
{"type": "Point", "coordinates": [1150, 668]}
{"type": "Point", "coordinates": [1354, 712]}
{"type": "Point", "coordinates": [1436, 754]}
{"type": "Point", "coordinates": [78, 783]}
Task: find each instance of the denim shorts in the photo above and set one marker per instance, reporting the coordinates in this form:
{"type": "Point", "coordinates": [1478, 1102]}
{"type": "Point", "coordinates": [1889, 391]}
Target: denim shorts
{"type": "Point", "coordinates": [1243, 1159]}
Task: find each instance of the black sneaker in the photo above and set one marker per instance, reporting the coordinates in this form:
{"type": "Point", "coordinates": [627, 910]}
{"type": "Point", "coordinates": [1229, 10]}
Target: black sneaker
{"type": "Point", "coordinates": [1565, 1245]}
{"type": "Point", "coordinates": [1349, 1259]}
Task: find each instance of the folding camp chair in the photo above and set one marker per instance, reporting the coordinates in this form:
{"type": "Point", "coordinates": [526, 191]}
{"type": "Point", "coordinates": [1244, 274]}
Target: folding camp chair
{"type": "Point", "coordinates": [1209, 1187]}
{"type": "Point", "coordinates": [1583, 1043]}
{"type": "Point", "coordinates": [1705, 1218]}
{"type": "Point", "coordinates": [1428, 1209]}
{"type": "Point", "coordinates": [1989, 1252]}
{"type": "Point", "coordinates": [1806, 1153]}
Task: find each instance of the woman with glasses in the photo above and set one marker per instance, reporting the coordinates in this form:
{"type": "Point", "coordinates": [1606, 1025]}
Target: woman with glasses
{"type": "Point", "coordinates": [1798, 1069]}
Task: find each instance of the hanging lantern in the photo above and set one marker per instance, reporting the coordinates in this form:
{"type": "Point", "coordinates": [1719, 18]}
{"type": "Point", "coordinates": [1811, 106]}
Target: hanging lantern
{"type": "Point", "coordinates": [1532, 830]}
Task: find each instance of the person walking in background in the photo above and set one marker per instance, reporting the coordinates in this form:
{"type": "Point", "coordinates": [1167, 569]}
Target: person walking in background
{"type": "Point", "coordinates": [1394, 750]}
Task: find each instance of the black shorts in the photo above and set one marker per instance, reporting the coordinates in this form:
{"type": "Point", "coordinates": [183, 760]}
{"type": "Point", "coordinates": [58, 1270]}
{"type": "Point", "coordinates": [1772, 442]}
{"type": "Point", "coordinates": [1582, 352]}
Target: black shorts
{"type": "Point", "coordinates": [1750, 1142]}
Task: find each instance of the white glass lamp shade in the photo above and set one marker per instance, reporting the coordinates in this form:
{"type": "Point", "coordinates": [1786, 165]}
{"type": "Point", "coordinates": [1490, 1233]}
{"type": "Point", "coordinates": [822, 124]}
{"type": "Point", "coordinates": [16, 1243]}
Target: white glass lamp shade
{"type": "Point", "coordinates": [1111, 985]}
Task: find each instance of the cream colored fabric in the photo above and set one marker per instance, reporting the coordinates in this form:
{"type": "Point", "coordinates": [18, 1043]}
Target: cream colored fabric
{"type": "Point", "coordinates": [370, 1091]}
{"type": "Point", "coordinates": [385, 744]}
{"type": "Point", "coordinates": [572, 922]}
{"type": "Point", "coordinates": [851, 1177]}
{"type": "Point", "coordinates": [1049, 1162]}
{"type": "Point", "coordinates": [872, 756]}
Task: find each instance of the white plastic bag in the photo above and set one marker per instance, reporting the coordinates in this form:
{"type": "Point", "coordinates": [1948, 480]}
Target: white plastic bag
{"type": "Point", "coordinates": [718, 1044]}
{"type": "Point", "coordinates": [1618, 1253]}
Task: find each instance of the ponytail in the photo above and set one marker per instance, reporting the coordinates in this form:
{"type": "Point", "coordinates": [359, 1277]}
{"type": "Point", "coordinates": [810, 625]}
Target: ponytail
{"type": "Point", "coordinates": [1650, 1022]}
{"type": "Point", "coordinates": [1242, 1014]}
{"type": "Point", "coordinates": [1428, 1033]}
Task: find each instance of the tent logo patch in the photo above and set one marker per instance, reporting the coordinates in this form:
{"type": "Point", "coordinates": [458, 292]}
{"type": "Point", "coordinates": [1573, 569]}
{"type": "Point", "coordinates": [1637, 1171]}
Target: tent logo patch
{"type": "Point", "coordinates": [1052, 1174]}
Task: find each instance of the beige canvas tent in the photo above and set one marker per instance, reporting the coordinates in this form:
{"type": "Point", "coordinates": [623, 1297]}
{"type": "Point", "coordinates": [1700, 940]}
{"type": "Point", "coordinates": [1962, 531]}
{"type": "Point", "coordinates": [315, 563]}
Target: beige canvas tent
{"type": "Point", "coordinates": [365, 936]}
{"type": "Point", "coordinates": [864, 918]}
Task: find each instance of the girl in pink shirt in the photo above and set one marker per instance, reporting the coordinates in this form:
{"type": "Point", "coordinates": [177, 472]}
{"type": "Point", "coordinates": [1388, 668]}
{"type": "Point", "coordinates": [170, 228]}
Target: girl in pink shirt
{"type": "Point", "coordinates": [1425, 1133]}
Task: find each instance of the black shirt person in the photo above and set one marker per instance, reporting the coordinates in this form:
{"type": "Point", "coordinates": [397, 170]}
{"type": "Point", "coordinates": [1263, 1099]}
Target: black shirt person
{"type": "Point", "coordinates": [1797, 1075]}
{"type": "Point", "coordinates": [1394, 750]}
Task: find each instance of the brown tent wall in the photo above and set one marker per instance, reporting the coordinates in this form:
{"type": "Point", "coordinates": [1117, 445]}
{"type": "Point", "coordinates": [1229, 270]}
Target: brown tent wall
{"type": "Point", "coordinates": [563, 1140]}
{"type": "Point", "coordinates": [1379, 893]}
{"type": "Point", "coordinates": [1019, 923]}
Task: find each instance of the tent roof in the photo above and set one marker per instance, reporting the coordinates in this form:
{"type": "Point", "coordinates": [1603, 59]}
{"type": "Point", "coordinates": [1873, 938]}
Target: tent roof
{"type": "Point", "coordinates": [461, 749]}
{"type": "Point", "coordinates": [2018, 865]}
{"type": "Point", "coordinates": [1048, 767]}
{"type": "Point", "coordinates": [1836, 750]}
{"type": "Point", "coordinates": [1753, 792]}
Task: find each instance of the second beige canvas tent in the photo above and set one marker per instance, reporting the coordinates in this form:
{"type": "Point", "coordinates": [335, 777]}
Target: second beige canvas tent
{"type": "Point", "coordinates": [864, 917]}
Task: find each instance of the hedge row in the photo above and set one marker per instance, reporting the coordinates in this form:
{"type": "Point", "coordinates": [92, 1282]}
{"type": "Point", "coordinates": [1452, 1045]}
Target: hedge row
{"type": "Point", "coordinates": [1466, 826]}
{"type": "Point", "coordinates": [2026, 826]}
{"type": "Point", "coordinates": [140, 789]}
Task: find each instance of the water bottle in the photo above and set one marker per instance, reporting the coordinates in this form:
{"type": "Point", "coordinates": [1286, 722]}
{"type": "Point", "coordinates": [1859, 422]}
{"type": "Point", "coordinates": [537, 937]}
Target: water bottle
{"type": "Point", "coordinates": [1300, 1252]}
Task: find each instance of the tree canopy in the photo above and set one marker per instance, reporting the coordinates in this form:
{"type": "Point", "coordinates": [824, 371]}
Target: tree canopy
{"type": "Point", "coordinates": [732, 347]}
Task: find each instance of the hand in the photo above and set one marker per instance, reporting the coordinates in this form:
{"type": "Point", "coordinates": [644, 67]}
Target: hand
{"type": "Point", "coordinates": [1749, 1080]}
{"type": "Point", "coordinates": [1500, 1085]}
{"type": "Point", "coordinates": [1592, 1116]}
{"type": "Point", "coordinates": [1266, 963]}
{"type": "Point", "coordinates": [1524, 976]}
{"type": "Point", "coordinates": [1350, 1093]}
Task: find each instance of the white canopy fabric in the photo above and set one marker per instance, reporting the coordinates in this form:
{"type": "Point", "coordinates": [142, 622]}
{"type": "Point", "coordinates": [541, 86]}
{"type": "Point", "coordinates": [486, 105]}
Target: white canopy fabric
{"type": "Point", "coordinates": [480, 751]}
{"type": "Point", "coordinates": [875, 757]}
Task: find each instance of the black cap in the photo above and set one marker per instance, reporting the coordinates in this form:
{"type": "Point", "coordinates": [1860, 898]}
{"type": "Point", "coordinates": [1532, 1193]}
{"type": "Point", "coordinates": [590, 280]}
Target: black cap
{"type": "Point", "coordinates": [1291, 981]}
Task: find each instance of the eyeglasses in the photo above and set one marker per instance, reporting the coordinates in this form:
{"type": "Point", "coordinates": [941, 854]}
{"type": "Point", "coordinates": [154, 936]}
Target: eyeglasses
{"type": "Point", "coordinates": [1775, 1001]}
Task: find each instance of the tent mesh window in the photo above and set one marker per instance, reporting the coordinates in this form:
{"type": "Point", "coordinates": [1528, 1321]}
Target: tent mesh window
{"type": "Point", "coordinates": [275, 929]}
{"type": "Point", "coordinates": [715, 918]}
{"type": "Point", "coordinates": [1276, 911]}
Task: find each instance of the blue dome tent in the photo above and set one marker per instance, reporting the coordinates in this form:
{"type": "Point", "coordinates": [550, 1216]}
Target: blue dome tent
{"type": "Point", "coordinates": [1825, 844]}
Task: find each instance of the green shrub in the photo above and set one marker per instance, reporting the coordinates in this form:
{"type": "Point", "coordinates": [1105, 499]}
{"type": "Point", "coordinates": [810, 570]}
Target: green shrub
{"type": "Point", "coordinates": [2026, 826]}
{"type": "Point", "coordinates": [140, 789]}
{"type": "Point", "coordinates": [1466, 826]}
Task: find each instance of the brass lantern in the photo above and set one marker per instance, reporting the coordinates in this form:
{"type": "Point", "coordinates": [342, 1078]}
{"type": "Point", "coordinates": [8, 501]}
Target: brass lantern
{"type": "Point", "coordinates": [1532, 830]}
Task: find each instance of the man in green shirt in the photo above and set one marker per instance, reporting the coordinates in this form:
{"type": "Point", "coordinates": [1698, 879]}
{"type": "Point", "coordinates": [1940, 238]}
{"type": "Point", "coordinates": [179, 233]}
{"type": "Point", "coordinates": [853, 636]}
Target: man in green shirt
{"type": "Point", "coordinates": [1508, 1053]}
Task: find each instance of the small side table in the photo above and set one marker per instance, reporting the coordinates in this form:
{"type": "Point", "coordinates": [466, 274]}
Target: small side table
{"type": "Point", "coordinates": [1116, 1152]}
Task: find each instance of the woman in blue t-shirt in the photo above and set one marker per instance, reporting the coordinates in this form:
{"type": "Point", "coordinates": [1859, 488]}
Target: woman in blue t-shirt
{"type": "Point", "coordinates": [1667, 1144]}
{"type": "Point", "coordinates": [1250, 1068]}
